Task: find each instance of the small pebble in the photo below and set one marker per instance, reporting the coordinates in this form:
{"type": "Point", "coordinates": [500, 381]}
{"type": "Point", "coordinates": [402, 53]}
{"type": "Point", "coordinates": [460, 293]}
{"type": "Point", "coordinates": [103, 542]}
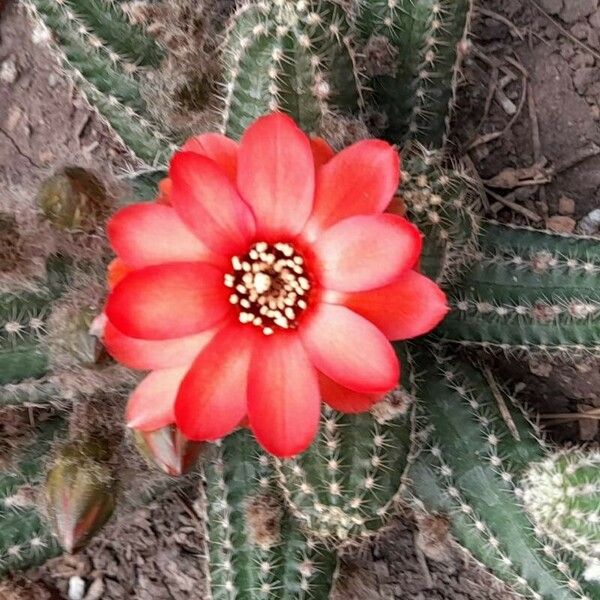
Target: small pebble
{"type": "Point", "coordinates": [590, 224]}
{"type": "Point", "coordinates": [566, 206]}
{"type": "Point", "coordinates": [8, 71]}
{"type": "Point", "coordinates": [76, 588]}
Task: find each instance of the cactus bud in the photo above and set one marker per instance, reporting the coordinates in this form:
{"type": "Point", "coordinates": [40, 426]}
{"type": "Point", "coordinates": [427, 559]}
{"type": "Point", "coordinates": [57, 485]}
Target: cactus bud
{"type": "Point", "coordinates": [80, 494]}
{"type": "Point", "coordinates": [73, 199]}
{"type": "Point", "coordinates": [168, 449]}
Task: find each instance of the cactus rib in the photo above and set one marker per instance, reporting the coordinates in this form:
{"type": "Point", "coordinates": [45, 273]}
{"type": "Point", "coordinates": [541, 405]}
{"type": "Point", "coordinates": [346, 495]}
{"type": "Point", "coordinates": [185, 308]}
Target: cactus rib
{"type": "Point", "coordinates": [416, 98]}
{"type": "Point", "coordinates": [256, 549]}
{"type": "Point", "coordinates": [113, 88]}
{"type": "Point", "coordinates": [24, 538]}
{"type": "Point", "coordinates": [480, 447]}
{"type": "Point", "coordinates": [529, 291]}
{"type": "Point", "coordinates": [292, 57]}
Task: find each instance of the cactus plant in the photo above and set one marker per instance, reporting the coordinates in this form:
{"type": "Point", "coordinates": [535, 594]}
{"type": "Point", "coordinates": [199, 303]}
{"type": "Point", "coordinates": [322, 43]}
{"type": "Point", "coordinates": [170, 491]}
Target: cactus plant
{"type": "Point", "coordinates": [297, 57]}
{"type": "Point", "coordinates": [561, 494]}
{"type": "Point", "coordinates": [257, 550]}
{"type": "Point", "coordinates": [25, 539]}
{"type": "Point", "coordinates": [528, 291]}
{"type": "Point", "coordinates": [451, 436]}
{"type": "Point", "coordinates": [106, 56]}
{"type": "Point", "coordinates": [422, 38]}
{"type": "Point", "coordinates": [480, 445]}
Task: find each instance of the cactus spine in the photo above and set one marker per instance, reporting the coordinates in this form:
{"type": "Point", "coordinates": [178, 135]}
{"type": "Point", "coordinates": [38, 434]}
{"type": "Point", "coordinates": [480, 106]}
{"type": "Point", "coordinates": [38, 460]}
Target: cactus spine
{"type": "Point", "coordinates": [562, 495]}
{"type": "Point", "coordinates": [442, 202]}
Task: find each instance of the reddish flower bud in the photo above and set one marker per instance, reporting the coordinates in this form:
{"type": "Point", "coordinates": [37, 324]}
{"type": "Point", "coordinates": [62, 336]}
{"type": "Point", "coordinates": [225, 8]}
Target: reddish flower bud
{"type": "Point", "coordinates": [80, 494]}
{"type": "Point", "coordinates": [168, 449]}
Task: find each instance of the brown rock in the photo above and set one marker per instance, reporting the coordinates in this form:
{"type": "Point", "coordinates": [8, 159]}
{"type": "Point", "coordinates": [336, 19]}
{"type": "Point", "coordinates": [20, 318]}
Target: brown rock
{"type": "Point", "coordinates": [540, 368]}
{"type": "Point", "coordinates": [566, 206]}
{"type": "Point", "coordinates": [575, 10]}
{"type": "Point", "coordinates": [560, 224]}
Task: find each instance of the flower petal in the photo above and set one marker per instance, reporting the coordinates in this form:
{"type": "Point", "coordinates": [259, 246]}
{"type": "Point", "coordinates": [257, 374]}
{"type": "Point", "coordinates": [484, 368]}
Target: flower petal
{"type": "Point", "coordinates": [168, 301]}
{"type": "Point", "coordinates": [164, 191]}
{"type": "Point", "coordinates": [151, 405]}
{"type": "Point", "coordinates": [366, 252]}
{"type": "Point", "coordinates": [349, 349]}
{"type": "Point", "coordinates": [276, 174]}
{"type": "Point", "coordinates": [209, 204]}
{"type": "Point", "coordinates": [151, 234]}
{"type": "Point", "coordinates": [359, 180]}
{"type": "Point", "coordinates": [116, 271]}
{"type": "Point", "coordinates": [212, 399]}
{"type": "Point", "coordinates": [154, 354]}
{"type": "Point", "coordinates": [322, 151]}
{"type": "Point", "coordinates": [217, 147]}
{"type": "Point", "coordinates": [343, 399]}
{"type": "Point", "coordinates": [411, 306]}
{"type": "Point", "coordinates": [283, 395]}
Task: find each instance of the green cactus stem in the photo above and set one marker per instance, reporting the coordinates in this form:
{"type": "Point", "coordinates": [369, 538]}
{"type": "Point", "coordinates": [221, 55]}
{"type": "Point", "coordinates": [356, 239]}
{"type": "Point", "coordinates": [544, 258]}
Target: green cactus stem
{"type": "Point", "coordinates": [347, 484]}
{"type": "Point", "coordinates": [529, 291]}
{"type": "Point", "coordinates": [106, 56]}
{"type": "Point", "coordinates": [22, 318]}
{"type": "Point", "coordinates": [442, 202]}
{"type": "Point", "coordinates": [292, 56]}
{"type": "Point", "coordinates": [25, 540]}
{"type": "Point", "coordinates": [256, 549]}
{"type": "Point", "coordinates": [481, 444]}
{"type": "Point", "coordinates": [562, 495]}
{"type": "Point", "coordinates": [423, 37]}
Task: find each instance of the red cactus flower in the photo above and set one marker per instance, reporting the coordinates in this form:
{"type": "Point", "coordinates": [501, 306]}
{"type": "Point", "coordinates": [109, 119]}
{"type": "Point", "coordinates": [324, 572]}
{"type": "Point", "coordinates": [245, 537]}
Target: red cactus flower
{"type": "Point", "coordinates": [265, 279]}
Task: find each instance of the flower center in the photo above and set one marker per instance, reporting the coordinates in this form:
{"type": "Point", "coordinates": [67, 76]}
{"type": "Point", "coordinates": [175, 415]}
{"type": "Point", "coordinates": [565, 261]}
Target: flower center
{"type": "Point", "coordinates": [270, 285]}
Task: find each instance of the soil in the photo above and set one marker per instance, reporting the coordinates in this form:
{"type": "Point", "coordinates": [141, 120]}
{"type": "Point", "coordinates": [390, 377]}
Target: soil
{"type": "Point", "coordinates": [540, 59]}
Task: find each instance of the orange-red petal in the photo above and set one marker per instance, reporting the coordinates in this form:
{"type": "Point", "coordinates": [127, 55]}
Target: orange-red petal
{"type": "Point", "coordinates": [209, 204]}
{"type": "Point", "coordinates": [151, 405]}
{"type": "Point", "coordinates": [217, 147]}
{"type": "Point", "coordinates": [349, 349]}
{"type": "Point", "coordinates": [168, 301]}
{"type": "Point", "coordinates": [116, 271]}
{"type": "Point", "coordinates": [366, 252]}
{"type": "Point", "coordinates": [276, 175]}
{"type": "Point", "coordinates": [164, 191]}
{"type": "Point", "coordinates": [359, 180]}
{"type": "Point", "coordinates": [411, 306]}
{"type": "Point", "coordinates": [343, 399]}
{"type": "Point", "coordinates": [212, 398]}
{"type": "Point", "coordinates": [283, 395]}
{"type": "Point", "coordinates": [154, 354]}
{"type": "Point", "coordinates": [151, 234]}
{"type": "Point", "coordinates": [322, 151]}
